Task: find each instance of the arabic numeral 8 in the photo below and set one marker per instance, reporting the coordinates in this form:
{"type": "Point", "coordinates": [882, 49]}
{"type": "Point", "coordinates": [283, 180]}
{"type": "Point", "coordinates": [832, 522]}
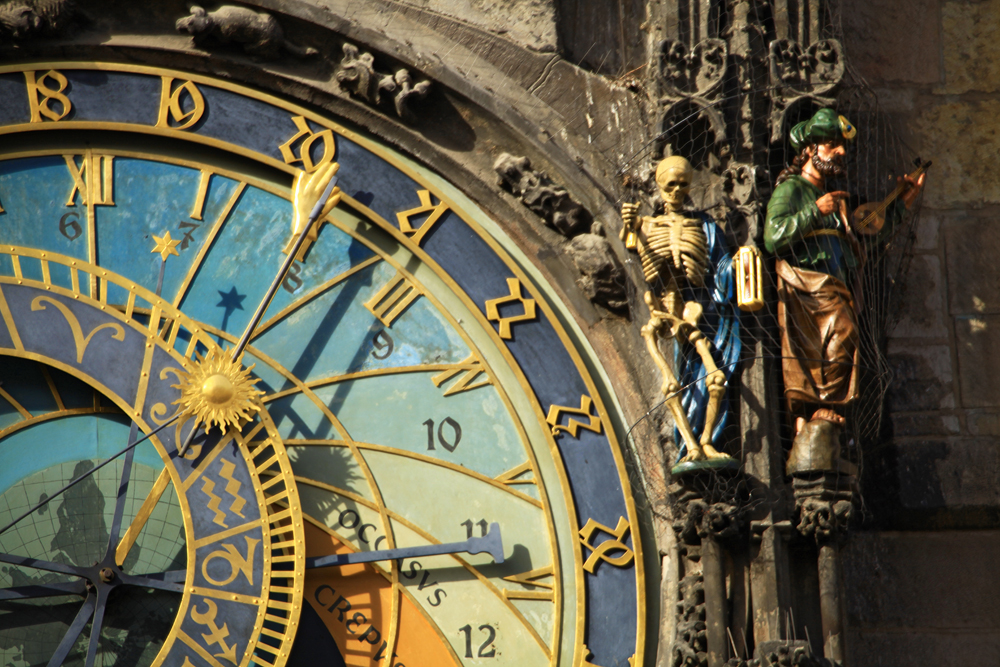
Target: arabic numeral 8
{"type": "Point", "coordinates": [491, 634]}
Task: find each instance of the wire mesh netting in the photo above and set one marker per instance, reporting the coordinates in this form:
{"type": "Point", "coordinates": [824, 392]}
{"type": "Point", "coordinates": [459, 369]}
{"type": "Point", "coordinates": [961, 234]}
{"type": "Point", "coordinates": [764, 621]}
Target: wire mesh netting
{"type": "Point", "coordinates": [729, 85]}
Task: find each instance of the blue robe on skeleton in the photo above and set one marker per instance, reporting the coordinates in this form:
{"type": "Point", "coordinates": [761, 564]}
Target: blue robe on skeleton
{"type": "Point", "coordinates": [720, 323]}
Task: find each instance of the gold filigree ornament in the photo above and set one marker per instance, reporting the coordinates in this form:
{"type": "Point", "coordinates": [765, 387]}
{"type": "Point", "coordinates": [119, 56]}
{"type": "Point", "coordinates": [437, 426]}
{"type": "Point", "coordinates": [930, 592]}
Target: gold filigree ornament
{"type": "Point", "coordinates": [219, 391]}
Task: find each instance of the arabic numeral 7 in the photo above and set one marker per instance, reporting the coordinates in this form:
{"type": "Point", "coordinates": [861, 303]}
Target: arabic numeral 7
{"type": "Point", "coordinates": [491, 634]}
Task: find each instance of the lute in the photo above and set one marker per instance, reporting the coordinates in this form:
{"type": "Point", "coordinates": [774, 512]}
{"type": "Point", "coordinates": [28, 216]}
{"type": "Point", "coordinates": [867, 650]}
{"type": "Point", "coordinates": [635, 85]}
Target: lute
{"type": "Point", "coordinates": [870, 218]}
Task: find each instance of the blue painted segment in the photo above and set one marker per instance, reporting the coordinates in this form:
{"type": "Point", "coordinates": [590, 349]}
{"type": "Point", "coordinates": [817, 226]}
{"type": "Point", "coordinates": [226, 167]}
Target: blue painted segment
{"type": "Point", "coordinates": [68, 439]}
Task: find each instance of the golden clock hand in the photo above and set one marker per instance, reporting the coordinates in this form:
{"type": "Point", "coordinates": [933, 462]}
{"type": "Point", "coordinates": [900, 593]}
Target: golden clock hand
{"type": "Point", "coordinates": [313, 196]}
{"type": "Point", "coordinates": [132, 533]}
{"type": "Point", "coordinates": [316, 193]}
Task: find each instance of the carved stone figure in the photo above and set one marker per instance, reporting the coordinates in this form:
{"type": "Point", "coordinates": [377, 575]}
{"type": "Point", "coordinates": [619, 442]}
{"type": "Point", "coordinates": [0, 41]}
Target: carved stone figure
{"type": "Point", "coordinates": [357, 74]}
{"type": "Point", "coordinates": [259, 33]}
{"type": "Point", "coordinates": [26, 19]}
{"type": "Point", "coordinates": [818, 258]}
{"type": "Point", "coordinates": [541, 195]}
{"type": "Point", "coordinates": [689, 274]}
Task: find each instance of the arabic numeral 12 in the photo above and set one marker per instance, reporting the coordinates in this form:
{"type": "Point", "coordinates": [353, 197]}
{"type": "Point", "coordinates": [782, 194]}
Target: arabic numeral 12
{"type": "Point", "coordinates": [491, 634]}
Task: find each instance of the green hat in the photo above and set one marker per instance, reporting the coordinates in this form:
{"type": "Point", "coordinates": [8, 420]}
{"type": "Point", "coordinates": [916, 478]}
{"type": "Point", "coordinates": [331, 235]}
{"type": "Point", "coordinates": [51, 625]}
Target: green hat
{"type": "Point", "coordinates": [823, 126]}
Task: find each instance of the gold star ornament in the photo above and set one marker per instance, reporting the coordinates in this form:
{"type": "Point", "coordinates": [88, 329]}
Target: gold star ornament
{"type": "Point", "coordinates": [219, 391]}
{"type": "Point", "coordinates": [166, 246]}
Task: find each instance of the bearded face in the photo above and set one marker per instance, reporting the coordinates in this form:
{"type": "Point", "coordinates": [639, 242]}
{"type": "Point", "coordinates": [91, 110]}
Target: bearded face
{"type": "Point", "coordinates": [829, 162]}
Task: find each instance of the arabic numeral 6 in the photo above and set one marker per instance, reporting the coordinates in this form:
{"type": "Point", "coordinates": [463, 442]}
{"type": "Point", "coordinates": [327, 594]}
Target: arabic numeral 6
{"type": "Point", "coordinates": [69, 227]}
{"type": "Point", "coordinates": [486, 649]}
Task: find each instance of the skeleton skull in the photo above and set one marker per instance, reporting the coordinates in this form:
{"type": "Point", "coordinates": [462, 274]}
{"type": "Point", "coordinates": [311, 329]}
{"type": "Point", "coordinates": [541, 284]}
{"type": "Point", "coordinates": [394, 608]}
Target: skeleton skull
{"type": "Point", "coordinates": [673, 176]}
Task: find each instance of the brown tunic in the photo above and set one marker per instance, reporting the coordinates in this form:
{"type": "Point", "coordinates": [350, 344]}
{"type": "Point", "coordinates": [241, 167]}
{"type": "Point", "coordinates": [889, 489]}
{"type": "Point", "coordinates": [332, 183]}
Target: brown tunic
{"type": "Point", "coordinates": [819, 337]}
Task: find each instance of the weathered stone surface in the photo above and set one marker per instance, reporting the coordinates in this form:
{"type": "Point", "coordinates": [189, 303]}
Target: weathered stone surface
{"type": "Point", "coordinates": [531, 23]}
{"type": "Point", "coordinates": [896, 648]}
{"type": "Point", "coordinates": [602, 276]}
{"type": "Point", "coordinates": [921, 309]}
{"type": "Point", "coordinates": [973, 270]}
{"type": "Point", "coordinates": [937, 474]}
{"type": "Point", "coordinates": [978, 339]}
{"type": "Point", "coordinates": [959, 134]}
{"type": "Point", "coordinates": [891, 40]}
{"type": "Point", "coordinates": [921, 424]}
{"type": "Point", "coordinates": [922, 378]}
{"type": "Point", "coordinates": [924, 581]}
{"type": "Point", "coordinates": [971, 41]}
{"type": "Point", "coordinates": [983, 422]}
{"type": "Point", "coordinates": [928, 229]}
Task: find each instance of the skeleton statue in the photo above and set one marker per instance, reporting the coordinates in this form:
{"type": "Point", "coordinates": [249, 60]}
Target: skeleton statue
{"type": "Point", "coordinates": [689, 275]}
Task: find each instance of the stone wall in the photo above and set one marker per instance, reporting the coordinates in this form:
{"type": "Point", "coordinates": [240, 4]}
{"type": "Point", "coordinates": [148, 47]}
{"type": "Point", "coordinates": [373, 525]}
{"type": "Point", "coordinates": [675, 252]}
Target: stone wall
{"type": "Point", "coordinates": [915, 596]}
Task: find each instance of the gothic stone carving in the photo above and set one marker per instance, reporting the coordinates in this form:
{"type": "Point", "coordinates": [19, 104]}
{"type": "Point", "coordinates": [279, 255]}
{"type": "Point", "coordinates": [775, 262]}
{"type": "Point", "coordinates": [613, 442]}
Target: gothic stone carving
{"type": "Point", "coordinates": [799, 74]}
{"type": "Point", "coordinates": [602, 275]}
{"type": "Point", "coordinates": [536, 191]}
{"type": "Point", "coordinates": [685, 72]}
{"type": "Point", "coordinates": [22, 20]}
{"type": "Point", "coordinates": [258, 33]}
{"type": "Point", "coordinates": [690, 647]}
{"type": "Point", "coordinates": [824, 505]}
{"type": "Point", "coordinates": [357, 74]}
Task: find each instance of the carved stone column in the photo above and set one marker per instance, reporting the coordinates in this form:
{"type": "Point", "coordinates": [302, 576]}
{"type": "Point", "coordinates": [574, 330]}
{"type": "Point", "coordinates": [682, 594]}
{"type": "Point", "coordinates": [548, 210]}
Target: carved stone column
{"type": "Point", "coordinates": [708, 519]}
{"type": "Point", "coordinates": [824, 501]}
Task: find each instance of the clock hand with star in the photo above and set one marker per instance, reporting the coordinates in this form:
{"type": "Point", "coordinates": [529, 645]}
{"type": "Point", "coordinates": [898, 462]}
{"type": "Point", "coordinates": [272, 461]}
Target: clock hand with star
{"type": "Point", "coordinates": [209, 395]}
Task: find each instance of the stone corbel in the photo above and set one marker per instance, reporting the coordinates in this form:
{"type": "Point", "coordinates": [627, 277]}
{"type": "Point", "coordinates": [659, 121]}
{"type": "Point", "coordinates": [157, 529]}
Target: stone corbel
{"type": "Point", "coordinates": [26, 20]}
{"type": "Point", "coordinates": [357, 74]}
{"type": "Point", "coordinates": [258, 33]}
{"type": "Point", "coordinates": [602, 275]}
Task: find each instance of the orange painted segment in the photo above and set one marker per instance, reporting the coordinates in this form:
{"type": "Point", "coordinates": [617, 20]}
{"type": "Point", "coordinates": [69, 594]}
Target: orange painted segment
{"type": "Point", "coordinates": [355, 601]}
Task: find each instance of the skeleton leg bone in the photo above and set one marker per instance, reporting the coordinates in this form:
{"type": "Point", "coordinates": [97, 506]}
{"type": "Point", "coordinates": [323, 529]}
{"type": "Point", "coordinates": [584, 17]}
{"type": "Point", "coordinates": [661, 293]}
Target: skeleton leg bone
{"type": "Point", "coordinates": [715, 380]}
{"type": "Point", "coordinates": [651, 332]}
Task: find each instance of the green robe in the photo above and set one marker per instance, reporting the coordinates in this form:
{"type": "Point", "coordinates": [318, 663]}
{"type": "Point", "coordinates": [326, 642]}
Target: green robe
{"type": "Point", "coordinates": [792, 213]}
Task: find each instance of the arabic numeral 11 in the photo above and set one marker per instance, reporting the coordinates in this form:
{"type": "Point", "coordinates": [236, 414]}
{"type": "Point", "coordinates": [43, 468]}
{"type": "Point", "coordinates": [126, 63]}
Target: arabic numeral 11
{"type": "Point", "coordinates": [486, 649]}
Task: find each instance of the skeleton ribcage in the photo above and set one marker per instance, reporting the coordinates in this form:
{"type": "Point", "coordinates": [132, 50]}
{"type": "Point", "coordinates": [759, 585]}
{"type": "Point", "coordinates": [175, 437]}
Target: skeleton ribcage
{"type": "Point", "coordinates": [676, 249]}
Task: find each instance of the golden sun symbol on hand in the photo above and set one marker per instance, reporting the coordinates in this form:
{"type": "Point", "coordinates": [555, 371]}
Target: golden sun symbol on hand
{"type": "Point", "coordinates": [218, 390]}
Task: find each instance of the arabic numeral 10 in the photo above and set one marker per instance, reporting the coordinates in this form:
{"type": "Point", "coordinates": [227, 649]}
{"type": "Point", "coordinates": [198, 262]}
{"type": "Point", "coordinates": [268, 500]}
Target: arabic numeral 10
{"type": "Point", "coordinates": [447, 438]}
{"type": "Point", "coordinates": [486, 649]}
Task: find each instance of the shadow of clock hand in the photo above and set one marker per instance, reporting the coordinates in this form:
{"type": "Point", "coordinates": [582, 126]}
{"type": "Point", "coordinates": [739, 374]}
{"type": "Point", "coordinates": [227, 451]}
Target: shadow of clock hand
{"type": "Point", "coordinates": [73, 633]}
{"type": "Point", "coordinates": [116, 522]}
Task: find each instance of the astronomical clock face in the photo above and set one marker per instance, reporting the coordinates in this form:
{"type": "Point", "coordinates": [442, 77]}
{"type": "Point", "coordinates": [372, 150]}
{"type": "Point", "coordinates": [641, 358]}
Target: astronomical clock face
{"type": "Point", "coordinates": [408, 386]}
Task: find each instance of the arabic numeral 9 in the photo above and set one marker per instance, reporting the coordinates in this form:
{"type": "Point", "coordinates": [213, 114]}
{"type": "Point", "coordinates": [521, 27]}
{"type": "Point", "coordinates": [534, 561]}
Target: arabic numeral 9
{"type": "Point", "coordinates": [486, 649]}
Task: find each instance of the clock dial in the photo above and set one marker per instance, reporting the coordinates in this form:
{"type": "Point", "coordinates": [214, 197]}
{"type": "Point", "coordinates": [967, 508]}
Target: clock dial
{"type": "Point", "coordinates": [417, 388]}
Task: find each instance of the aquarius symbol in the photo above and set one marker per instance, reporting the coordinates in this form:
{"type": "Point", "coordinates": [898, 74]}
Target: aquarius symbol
{"type": "Point", "coordinates": [216, 635]}
{"type": "Point", "coordinates": [232, 488]}
{"type": "Point", "coordinates": [237, 563]}
{"type": "Point", "coordinates": [600, 552]}
{"type": "Point", "coordinates": [74, 324]}
{"type": "Point", "coordinates": [208, 486]}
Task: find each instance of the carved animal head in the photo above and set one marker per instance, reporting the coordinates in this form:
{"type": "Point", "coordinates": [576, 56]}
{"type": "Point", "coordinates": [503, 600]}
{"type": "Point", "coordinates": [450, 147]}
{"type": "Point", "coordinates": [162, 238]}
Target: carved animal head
{"type": "Point", "coordinates": [673, 177]}
{"type": "Point", "coordinates": [19, 21]}
{"type": "Point", "coordinates": [197, 23]}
